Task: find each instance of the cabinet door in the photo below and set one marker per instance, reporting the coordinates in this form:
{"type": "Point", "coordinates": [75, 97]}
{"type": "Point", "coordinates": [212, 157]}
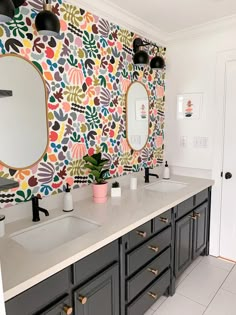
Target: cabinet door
{"type": "Point", "coordinates": [100, 295]}
{"type": "Point", "coordinates": [200, 229]}
{"type": "Point", "coordinates": [183, 243]}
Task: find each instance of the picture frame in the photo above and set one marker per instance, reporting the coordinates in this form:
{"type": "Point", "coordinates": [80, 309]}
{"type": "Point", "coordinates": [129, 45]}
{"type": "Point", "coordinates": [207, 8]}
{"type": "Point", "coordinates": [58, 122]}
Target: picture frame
{"type": "Point", "coordinates": [189, 106]}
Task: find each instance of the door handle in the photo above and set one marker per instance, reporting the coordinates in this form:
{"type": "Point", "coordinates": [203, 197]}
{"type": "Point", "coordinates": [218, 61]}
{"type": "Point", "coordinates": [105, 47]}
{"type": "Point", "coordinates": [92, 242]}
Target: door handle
{"type": "Point", "coordinates": [228, 175]}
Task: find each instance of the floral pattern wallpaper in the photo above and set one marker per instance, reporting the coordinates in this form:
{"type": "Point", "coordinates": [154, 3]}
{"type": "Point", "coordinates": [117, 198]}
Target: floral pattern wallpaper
{"type": "Point", "coordinates": [87, 72]}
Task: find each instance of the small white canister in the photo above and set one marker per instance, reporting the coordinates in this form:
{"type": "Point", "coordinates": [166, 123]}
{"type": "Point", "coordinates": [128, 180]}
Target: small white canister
{"type": "Point", "coordinates": [133, 183]}
{"type": "Point", "coordinates": [2, 225]}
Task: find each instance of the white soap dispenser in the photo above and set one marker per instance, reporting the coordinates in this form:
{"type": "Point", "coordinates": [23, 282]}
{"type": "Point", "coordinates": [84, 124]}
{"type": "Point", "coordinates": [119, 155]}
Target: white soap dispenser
{"type": "Point", "coordinates": [166, 173]}
{"type": "Point", "coordinates": [68, 200]}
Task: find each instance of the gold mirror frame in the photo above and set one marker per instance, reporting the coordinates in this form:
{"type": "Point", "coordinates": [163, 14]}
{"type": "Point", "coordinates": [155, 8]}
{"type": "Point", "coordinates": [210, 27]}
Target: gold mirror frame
{"type": "Point", "coordinates": [127, 122]}
{"type": "Point", "coordinates": [46, 114]}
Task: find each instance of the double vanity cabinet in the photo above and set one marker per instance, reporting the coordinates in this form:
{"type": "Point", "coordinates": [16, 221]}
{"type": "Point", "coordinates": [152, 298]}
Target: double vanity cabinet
{"type": "Point", "coordinates": [129, 274]}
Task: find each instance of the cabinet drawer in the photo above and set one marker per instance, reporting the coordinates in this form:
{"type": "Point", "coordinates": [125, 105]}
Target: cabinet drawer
{"type": "Point", "coordinates": [184, 207]}
{"type": "Point", "coordinates": [156, 290]}
{"type": "Point", "coordinates": [39, 296]}
{"type": "Point", "coordinates": [201, 197]}
{"type": "Point", "coordinates": [95, 262]}
{"type": "Point", "coordinates": [162, 221]}
{"type": "Point", "coordinates": [140, 256]}
{"type": "Point", "coordinates": [139, 235]}
{"type": "Point", "coordinates": [143, 278]}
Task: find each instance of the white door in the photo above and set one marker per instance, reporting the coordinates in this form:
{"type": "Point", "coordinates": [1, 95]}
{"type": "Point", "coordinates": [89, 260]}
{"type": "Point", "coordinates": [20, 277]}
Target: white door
{"type": "Point", "coordinates": [228, 206]}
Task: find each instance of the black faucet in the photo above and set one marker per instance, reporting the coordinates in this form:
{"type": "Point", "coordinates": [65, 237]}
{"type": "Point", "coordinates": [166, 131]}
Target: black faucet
{"type": "Point", "coordinates": [36, 209]}
{"type": "Point", "coordinates": [147, 174]}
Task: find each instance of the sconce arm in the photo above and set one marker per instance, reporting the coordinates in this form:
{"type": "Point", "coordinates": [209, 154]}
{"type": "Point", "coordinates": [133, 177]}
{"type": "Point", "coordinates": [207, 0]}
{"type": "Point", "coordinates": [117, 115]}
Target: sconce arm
{"type": "Point", "coordinates": [138, 42]}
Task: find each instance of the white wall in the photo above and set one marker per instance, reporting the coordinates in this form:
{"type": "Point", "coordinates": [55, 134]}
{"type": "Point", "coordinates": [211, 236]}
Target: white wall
{"type": "Point", "coordinates": [191, 68]}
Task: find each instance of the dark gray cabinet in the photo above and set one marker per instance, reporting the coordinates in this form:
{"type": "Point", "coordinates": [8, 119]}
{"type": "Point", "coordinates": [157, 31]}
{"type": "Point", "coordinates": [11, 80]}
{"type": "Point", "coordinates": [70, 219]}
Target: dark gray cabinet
{"type": "Point", "coordinates": [128, 275]}
{"type": "Point", "coordinates": [191, 230]}
{"type": "Point", "coordinates": [200, 227]}
{"type": "Point", "coordinates": [146, 264]}
{"type": "Point", "coordinates": [183, 244]}
{"type": "Point", "coordinates": [100, 295]}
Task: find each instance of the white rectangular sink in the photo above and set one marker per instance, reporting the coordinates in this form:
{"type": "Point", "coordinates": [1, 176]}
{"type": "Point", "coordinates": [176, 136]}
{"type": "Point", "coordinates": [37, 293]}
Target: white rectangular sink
{"type": "Point", "coordinates": [49, 235]}
{"type": "Point", "coordinates": [166, 186]}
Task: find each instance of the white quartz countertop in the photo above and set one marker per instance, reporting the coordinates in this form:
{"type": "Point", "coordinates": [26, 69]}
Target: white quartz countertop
{"type": "Point", "coordinates": [21, 269]}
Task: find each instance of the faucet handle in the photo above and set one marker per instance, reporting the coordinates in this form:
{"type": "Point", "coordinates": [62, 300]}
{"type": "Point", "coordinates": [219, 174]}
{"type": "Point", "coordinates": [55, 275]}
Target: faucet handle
{"type": "Point", "coordinates": [37, 197]}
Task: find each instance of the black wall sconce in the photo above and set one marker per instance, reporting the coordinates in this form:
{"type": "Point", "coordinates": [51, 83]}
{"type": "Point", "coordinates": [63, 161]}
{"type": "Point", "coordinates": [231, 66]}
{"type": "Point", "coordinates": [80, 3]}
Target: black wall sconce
{"type": "Point", "coordinates": [7, 9]}
{"type": "Point", "coordinates": [141, 57]}
{"type": "Point", "coordinates": [46, 22]}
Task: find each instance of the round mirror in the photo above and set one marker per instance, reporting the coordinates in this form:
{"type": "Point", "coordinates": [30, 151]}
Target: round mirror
{"type": "Point", "coordinates": [23, 112]}
{"type": "Point", "coordinates": [137, 115]}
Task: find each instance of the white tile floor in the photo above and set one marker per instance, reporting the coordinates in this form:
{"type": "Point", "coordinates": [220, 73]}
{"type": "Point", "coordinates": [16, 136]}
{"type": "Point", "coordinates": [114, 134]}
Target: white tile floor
{"type": "Point", "coordinates": [207, 287]}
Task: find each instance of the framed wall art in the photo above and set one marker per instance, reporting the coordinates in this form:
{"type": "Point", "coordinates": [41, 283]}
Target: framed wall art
{"type": "Point", "coordinates": [189, 106]}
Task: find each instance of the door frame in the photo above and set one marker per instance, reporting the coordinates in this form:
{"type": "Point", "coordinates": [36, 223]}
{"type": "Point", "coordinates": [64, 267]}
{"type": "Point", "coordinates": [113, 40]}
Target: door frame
{"type": "Point", "coordinates": [218, 148]}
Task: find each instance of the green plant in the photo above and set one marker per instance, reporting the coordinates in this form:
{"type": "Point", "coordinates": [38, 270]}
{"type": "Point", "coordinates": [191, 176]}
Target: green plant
{"type": "Point", "coordinates": [95, 164]}
{"type": "Point", "coordinates": [115, 185]}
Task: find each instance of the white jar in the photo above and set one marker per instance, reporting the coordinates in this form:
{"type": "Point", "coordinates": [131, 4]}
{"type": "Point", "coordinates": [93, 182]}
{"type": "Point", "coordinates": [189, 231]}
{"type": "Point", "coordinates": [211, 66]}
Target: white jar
{"type": "Point", "coordinates": [2, 225]}
{"type": "Point", "coordinates": [133, 183]}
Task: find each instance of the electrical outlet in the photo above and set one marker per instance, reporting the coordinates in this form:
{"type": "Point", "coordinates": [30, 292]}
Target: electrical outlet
{"type": "Point", "coordinates": [200, 142]}
{"type": "Point", "coordinates": [183, 141]}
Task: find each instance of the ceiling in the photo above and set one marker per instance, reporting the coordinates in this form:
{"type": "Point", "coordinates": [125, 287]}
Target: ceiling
{"type": "Point", "coordinates": [175, 15]}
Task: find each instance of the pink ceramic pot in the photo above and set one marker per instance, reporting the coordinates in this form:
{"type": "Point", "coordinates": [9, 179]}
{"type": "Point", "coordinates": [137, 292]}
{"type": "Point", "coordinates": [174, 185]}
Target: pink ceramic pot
{"type": "Point", "coordinates": [100, 193]}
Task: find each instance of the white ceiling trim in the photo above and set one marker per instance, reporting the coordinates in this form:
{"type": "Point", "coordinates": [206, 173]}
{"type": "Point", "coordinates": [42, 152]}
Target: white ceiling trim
{"type": "Point", "coordinates": [206, 28]}
{"type": "Point", "coordinates": [123, 18]}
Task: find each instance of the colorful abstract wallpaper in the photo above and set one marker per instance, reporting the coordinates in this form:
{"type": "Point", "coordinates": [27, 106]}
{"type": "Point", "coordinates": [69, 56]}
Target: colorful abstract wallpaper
{"type": "Point", "coordinates": [87, 71]}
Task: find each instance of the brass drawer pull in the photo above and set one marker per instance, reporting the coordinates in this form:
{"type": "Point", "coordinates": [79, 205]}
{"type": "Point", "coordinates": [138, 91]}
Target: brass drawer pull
{"type": "Point", "coordinates": [152, 295]}
{"type": "Point", "coordinates": [154, 271]}
{"type": "Point", "coordinates": [68, 310]}
{"type": "Point", "coordinates": [142, 234]}
{"type": "Point", "coordinates": [193, 217]}
{"type": "Point", "coordinates": [82, 299]}
{"type": "Point", "coordinates": [154, 248]}
{"type": "Point", "coordinates": [164, 220]}
{"type": "Point", "coordinates": [197, 214]}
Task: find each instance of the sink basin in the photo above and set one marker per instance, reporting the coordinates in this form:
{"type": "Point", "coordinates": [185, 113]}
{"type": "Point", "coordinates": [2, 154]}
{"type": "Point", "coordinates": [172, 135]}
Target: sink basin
{"type": "Point", "coordinates": [54, 233]}
{"type": "Point", "coordinates": [166, 186]}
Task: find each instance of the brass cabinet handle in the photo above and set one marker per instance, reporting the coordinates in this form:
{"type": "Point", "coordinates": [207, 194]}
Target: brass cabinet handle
{"type": "Point", "coordinates": [67, 310]}
{"type": "Point", "coordinates": [154, 271]}
{"type": "Point", "coordinates": [154, 248]}
{"type": "Point", "coordinates": [142, 233]}
{"type": "Point", "coordinates": [197, 214]}
{"type": "Point", "coordinates": [193, 217]}
{"type": "Point", "coordinates": [82, 299]}
{"type": "Point", "coordinates": [152, 295]}
{"type": "Point", "coordinates": [164, 220]}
